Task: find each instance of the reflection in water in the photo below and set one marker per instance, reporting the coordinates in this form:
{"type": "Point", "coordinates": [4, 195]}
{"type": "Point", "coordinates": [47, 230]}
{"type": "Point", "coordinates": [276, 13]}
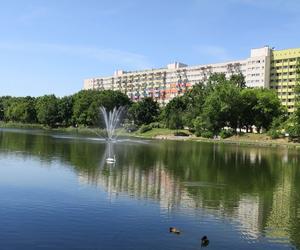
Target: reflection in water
{"type": "Point", "coordinates": [254, 188]}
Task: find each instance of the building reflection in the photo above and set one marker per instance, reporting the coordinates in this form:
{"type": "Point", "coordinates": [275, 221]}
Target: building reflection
{"type": "Point", "coordinates": [253, 187]}
{"type": "Point", "coordinates": [169, 191]}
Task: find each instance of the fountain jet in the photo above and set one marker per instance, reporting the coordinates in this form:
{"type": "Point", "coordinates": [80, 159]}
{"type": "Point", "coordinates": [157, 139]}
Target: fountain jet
{"type": "Point", "coordinates": [111, 119]}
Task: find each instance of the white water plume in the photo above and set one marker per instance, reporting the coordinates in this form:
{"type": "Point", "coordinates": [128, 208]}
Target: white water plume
{"type": "Point", "coordinates": [111, 119]}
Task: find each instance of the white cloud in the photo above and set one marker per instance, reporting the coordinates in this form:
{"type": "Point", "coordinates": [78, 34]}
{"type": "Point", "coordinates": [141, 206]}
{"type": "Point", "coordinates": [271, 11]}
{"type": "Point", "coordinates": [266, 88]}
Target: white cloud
{"type": "Point", "coordinates": [215, 52]}
{"type": "Point", "coordinates": [290, 5]}
{"type": "Point", "coordinates": [281, 5]}
{"type": "Point", "coordinates": [106, 55]}
{"type": "Point", "coordinates": [32, 13]}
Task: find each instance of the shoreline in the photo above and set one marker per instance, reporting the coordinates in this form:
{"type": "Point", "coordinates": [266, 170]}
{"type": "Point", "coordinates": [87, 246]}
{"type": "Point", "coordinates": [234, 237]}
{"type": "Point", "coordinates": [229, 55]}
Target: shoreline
{"type": "Point", "coordinates": [164, 134]}
{"type": "Point", "coordinates": [235, 140]}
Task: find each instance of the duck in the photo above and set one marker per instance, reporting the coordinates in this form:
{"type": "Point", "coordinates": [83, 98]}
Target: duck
{"type": "Point", "coordinates": [204, 241]}
{"type": "Point", "coordinates": [111, 160]}
{"type": "Point", "coordinates": [174, 230]}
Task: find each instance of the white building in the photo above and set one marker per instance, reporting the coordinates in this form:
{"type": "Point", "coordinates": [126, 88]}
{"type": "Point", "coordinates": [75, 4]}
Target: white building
{"type": "Point", "coordinates": [163, 84]}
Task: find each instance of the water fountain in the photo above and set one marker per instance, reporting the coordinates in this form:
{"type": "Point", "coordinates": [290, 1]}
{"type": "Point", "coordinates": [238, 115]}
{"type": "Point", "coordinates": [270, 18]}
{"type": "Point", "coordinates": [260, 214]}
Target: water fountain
{"type": "Point", "coordinates": [111, 119]}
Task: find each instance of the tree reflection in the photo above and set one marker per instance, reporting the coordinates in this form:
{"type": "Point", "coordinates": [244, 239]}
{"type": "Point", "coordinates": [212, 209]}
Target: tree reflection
{"type": "Point", "coordinates": [254, 186]}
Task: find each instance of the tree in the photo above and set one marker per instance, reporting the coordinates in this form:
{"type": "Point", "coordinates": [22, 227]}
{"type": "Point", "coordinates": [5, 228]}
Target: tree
{"type": "Point", "coordinates": [248, 102]}
{"type": "Point", "coordinates": [87, 103]}
{"type": "Point", "coordinates": [174, 111]}
{"type": "Point", "coordinates": [267, 108]}
{"type": "Point", "coordinates": [110, 99]}
{"type": "Point", "coordinates": [47, 110]}
{"type": "Point", "coordinates": [144, 111]}
{"type": "Point", "coordinates": [65, 110]}
{"type": "Point", "coordinates": [221, 108]}
{"type": "Point", "coordinates": [238, 80]}
{"type": "Point", "coordinates": [85, 110]}
{"type": "Point", "coordinates": [20, 109]}
{"type": "Point", "coordinates": [3, 105]}
{"type": "Point", "coordinates": [194, 100]}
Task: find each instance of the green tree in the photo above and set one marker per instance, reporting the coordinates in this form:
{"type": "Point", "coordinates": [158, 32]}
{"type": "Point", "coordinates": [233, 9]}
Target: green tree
{"type": "Point", "coordinates": [110, 99]}
{"type": "Point", "coordinates": [267, 108]}
{"type": "Point", "coordinates": [221, 108]}
{"type": "Point", "coordinates": [47, 110]}
{"type": "Point", "coordinates": [87, 103]}
{"type": "Point", "coordinates": [174, 112]}
{"type": "Point", "coordinates": [65, 110]}
{"type": "Point", "coordinates": [20, 109]}
{"type": "Point", "coordinates": [3, 106]}
{"type": "Point", "coordinates": [144, 111]}
{"type": "Point", "coordinates": [194, 100]}
{"type": "Point", "coordinates": [248, 102]}
{"type": "Point", "coordinates": [238, 80]}
{"type": "Point", "coordinates": [85, 108]}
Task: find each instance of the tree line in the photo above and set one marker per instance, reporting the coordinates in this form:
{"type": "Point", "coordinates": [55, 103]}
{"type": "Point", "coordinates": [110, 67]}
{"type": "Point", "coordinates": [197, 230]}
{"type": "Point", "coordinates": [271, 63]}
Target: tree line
{"type": "Point", "coordinates": [218, 106]}
{"type": "Point", "coordinates": [82, 108]}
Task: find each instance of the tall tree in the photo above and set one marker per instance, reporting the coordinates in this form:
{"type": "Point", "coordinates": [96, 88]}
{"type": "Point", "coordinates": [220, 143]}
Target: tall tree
{"type": "Point", "coordinates": [248, 102]}
{"type": "Point", "coordinates": [47, 110]}
{"type": "Point", "coordinates": [65, 110]}
{"type": "Point", "coordinates": [222, 107]}
{"type": "Point", "coordinates": [238, 80]}
{"type": "Point", "coordinates": [144, 111]}
{"type": "Point", "coordinates": [174, 112]}
{"type": "Point", "coordinates": [267, 108]}
{"type": "Point", "coordinates": [87, 103]}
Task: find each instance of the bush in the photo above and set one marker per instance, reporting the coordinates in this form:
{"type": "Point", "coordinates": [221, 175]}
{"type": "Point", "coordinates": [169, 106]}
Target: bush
{"type": "Point", "coordinates": [198, 126]}
{"type": "Point", "coordinates": [155, 125]}
{"type": "Point", "coordinates": [145, 128]}
{"type": "Point", "coordinates": [225, 133]}
{"type": "Point", "coordinates": [129, 127]}
{"type": "Point", "coordinates": [207, 134]}
{"type": "Point", "coordinates": [181, 133]}
{"type": "Point", "coordinates": [294, 132]}
{"type": "Point", "coordinates": [274, 134]}
{"type": "Point", "coordinates": [192, 130]}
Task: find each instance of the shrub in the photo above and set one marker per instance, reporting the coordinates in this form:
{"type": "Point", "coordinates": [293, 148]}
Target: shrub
{"type": "Point", "coordinates": [145, 128]}
{"type": "Point", "coordinates": [129, 127]}
{"type": "Point", "coordinates": [294, 132]}
{"type": "Point", "coordinates": [181, 133]}
{"type": "Point", "coordinates": [155, 125]}
{"type": "Point", "coordinates": [225, 133]}
{"type": "Point", "coordinates": [274, 134]}
{"type": "Point", "coordinates": [199, 126]}
{"type": "Point", "coordinates": [192, 130]}
{"type": "Point", "coordinates": [207, 134]}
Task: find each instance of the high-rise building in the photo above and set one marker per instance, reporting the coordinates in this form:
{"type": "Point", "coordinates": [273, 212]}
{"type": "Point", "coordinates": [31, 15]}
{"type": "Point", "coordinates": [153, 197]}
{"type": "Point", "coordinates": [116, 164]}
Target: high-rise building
{"type": "Point", "coordinates": [284, 75]}
{"type": "Point", "coordinates": [163, 84]}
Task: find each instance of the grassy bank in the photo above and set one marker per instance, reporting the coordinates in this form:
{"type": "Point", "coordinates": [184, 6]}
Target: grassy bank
{"type": "Point", "coordinates": [167, 134]}
{"type": "Point", "coordinates": [21, 125]}
{"type": "Point", "coordinates": [73, 130]}
{"type": "Point", "coordinates": [155, 133]}
{"type": "Point", "coordinates": [242, 139]}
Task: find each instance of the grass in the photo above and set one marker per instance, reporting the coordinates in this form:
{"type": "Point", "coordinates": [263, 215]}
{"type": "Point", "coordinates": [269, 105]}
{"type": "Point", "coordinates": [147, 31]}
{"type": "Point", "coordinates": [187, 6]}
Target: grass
{"type": "Point", "coordinates": [21, 125]}
{"type": "Point", "coordinates": [165, 133]}
{"type": "Point", "coordinates": [156, 132]}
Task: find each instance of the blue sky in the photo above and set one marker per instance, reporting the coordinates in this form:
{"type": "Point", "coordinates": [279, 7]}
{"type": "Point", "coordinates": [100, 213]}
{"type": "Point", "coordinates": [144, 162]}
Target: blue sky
{"type": "Point", "coordinates": [50, 46]}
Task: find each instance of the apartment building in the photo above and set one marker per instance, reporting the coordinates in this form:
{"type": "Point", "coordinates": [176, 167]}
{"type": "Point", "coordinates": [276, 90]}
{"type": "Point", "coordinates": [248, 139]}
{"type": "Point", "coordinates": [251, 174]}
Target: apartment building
{"type": "Point", "coordinates": [284, 75]}
{"type": "Point", "coordinates": [266, 68]}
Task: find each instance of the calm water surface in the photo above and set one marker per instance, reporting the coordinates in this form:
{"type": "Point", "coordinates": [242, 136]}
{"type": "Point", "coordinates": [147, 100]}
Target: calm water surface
{"type": "Point", "coordinates": [57, 192]}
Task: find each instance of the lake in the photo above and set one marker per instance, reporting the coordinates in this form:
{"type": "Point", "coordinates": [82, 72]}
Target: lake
{"type": "Point", "coordinates": [58, 192]}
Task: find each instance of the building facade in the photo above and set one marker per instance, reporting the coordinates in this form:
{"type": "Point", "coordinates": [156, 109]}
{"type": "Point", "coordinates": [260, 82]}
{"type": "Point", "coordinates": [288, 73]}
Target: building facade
{"type": "Point", "coordinates": [284, 75]}
{"type": "Point", "coordinates": [163, 84]}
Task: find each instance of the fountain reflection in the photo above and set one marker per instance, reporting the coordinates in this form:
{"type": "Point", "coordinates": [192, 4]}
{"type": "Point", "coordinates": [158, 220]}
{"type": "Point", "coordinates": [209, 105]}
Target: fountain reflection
{"type": "Point", "coordinates": [257, 189]}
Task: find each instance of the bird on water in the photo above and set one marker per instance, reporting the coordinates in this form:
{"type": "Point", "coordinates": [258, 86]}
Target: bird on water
{"type": "Point", "coordinates": [204, 241]}
{"type": "Point", "coordinates": [174, 230]}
